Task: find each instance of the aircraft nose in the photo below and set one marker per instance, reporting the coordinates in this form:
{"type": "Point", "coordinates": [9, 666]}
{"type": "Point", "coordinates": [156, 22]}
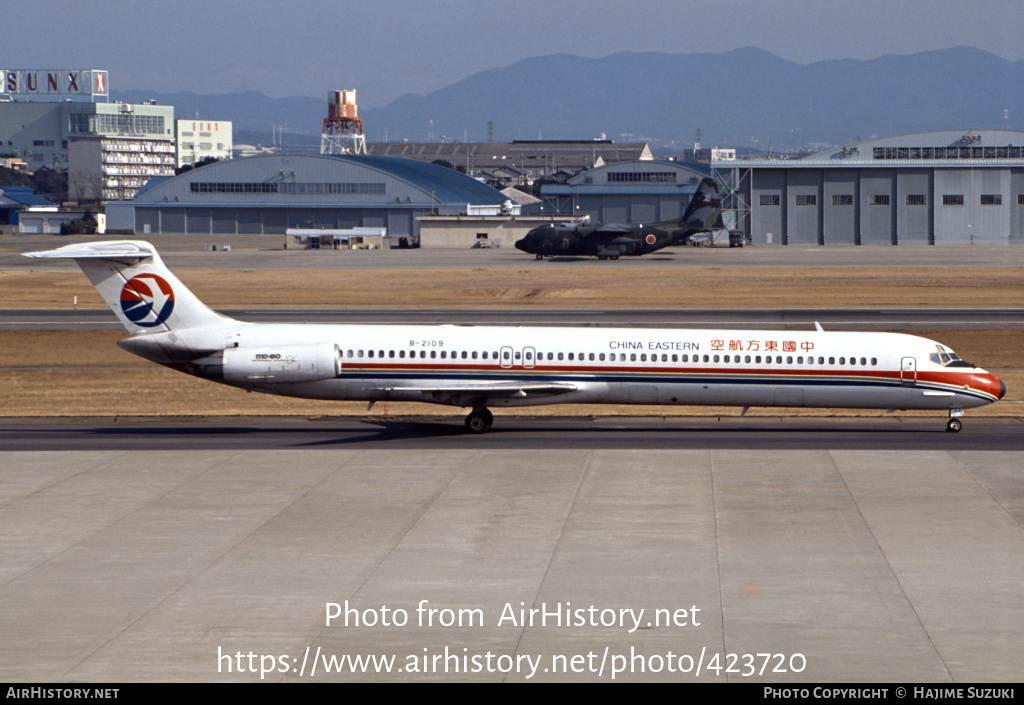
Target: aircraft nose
{"type": "Point", "coordinates": [1002, 389]}
{"type": "Point", "coordinates": [521, 245]}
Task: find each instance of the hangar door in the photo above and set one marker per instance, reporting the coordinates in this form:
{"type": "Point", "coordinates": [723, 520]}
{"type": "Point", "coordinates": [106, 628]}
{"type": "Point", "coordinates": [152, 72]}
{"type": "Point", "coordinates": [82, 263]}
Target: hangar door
{"type": "Point", "coordinates": [198, 221]}
{"type": "Point", "coordinates": [147, 220]}
{"type": "Point", "coordinates": [399, 225]}
{"type": "Point", "coordinates": [643, 210]}
{"type": "Point", "coordinates": [804, 209]}
{"type": "Point", "coordinates": [839, 210]}
{"type": "Point", "coordinates": [1016, 205]}
{"type": "Point", "coordinates": [615, 209]}
{"type": "Point", "coordinates": [914, 206]}
{"type": "Point", "coordinates": [878, 207]}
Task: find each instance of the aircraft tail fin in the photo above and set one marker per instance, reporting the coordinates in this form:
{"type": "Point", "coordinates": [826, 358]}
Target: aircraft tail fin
{"type": "Point", "coordinates": [705, 210]}
{"type": "Point", "coordinates": [136, 284]}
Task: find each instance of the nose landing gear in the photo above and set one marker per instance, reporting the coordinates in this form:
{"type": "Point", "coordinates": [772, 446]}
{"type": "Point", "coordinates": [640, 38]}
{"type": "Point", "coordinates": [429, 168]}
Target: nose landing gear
{"type": "Point", "coordinates": [955, 424]}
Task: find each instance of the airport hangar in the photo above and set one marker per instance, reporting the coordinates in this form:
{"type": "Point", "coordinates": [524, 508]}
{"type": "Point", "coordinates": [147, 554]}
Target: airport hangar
{"type": "Point", "coordinates": [941, 187]}
{"type": "Point", "coordinates": [519, 162]}
{"type": "Point", "coordinates": [639, 191]}
{"type": "Point", "coordinates": [269, 194]}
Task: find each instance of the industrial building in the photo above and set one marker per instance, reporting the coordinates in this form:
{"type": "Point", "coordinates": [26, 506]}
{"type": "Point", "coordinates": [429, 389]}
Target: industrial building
{"type": "Point", "coordinates": [60, 119]}
{"type": "Point", "coordinates": [520, 162]}
{"type": "Point", "coordinates": [951, 186]}
{"type": "Point", "coordinates": [36, 109]}
{"type": "Point", "coordinates": [102, 169]}
{"type": "Point", "coordinates": [40, 133]}
{"type": "Point", "coordinates": [475, 231]}
{"type": "Point", "coordinates": [22, 211]}
{"type": "Point", "coordinates": [109, 149]}
{"type": "Point", "coordinates": [641, 191]}
{"type": "Point", "coordinates": [20, 203]}
{"type": "Point", "coordinates": [269, 194]}
{"type": "Point", "coordinates": [203, 139]}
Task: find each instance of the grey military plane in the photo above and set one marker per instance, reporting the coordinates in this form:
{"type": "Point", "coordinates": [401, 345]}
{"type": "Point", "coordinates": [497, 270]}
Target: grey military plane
{"type": "Point", "coordinates": [611, 241]}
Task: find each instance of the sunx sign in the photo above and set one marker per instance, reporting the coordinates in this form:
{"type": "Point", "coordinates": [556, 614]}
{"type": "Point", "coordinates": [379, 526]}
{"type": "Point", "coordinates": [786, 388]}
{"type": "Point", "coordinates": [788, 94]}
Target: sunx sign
{"type": "Point", "coordinates": [63, 83]}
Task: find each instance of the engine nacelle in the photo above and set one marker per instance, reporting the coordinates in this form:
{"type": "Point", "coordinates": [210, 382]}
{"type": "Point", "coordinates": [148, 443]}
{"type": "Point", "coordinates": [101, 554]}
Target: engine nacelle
{"type": "Point", "coordinates": [282, 364]}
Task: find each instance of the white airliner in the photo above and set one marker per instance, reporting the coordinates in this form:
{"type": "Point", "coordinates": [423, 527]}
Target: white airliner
{"type": "Point", "coordinates": [480, 366]}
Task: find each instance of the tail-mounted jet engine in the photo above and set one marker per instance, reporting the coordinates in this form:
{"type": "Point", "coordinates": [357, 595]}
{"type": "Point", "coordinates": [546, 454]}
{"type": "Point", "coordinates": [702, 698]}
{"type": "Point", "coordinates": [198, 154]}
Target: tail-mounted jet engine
{"type": "Point", "coordinates": [282, 364]}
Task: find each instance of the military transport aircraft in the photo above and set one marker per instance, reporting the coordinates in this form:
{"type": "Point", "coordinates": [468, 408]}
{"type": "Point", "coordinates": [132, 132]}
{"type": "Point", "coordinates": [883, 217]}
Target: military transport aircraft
{"type": "Point", "coordinates": [610, 241]}
{"type": "Point", "coordinates": [480, 366]}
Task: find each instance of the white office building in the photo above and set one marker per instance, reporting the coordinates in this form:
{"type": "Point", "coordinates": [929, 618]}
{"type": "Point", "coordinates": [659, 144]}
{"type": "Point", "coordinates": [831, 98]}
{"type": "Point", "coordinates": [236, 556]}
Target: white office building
{"type": "Point", "coordinates": [203, 139]}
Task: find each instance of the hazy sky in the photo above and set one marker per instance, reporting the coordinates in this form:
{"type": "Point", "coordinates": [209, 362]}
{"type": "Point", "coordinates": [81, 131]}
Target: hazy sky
{"type": "Point", "coordinates": [386, 48]}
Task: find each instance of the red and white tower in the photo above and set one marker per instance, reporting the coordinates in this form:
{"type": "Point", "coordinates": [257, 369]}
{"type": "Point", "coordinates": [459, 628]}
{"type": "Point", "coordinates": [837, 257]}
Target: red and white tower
{"type": "Point", "coordinates": [343, 129]}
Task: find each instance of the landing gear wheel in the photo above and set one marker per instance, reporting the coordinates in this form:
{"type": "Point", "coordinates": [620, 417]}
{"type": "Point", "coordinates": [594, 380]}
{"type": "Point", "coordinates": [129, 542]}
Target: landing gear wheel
{"type": "Point", "coordinates": [954, 425]}
{"type": "Point", "coordinates": [479, 421]}
{"type": "Point", "coordinates": [540, 256]}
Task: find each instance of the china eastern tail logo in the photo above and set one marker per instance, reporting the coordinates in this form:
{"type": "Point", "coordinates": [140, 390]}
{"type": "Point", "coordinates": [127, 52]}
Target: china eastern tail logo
{"type": "Point", "coordinates": [147, 300]}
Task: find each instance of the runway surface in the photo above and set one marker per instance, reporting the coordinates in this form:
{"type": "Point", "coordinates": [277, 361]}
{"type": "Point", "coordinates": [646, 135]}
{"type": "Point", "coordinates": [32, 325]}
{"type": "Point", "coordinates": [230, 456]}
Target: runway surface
{"type": "Point", "coordinates": [587, 564]}
{"type": "Point", "coordinates": [510, 433]}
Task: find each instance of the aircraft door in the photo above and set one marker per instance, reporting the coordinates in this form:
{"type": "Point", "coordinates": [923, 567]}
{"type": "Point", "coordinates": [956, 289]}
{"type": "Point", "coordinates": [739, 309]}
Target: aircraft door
{"type": "Point", "coordinates": [506, 357]}
{"type": "Point", "coordinates": [529, 354]}
{"type": "Point", "coordinates": [908, 371]}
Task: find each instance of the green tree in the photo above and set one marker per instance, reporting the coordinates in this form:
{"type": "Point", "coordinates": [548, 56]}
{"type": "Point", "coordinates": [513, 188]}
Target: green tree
{"type": "Point", "coordinates": [201, 163]}
{"type": "Point", "coordinates": [448, 165]}
{"type": "Point", "coordinates": [13, 177]}
{"type": "Point", "coordinates": [86, 225]}
{"type": "Point", "coordinates": [51, 184]}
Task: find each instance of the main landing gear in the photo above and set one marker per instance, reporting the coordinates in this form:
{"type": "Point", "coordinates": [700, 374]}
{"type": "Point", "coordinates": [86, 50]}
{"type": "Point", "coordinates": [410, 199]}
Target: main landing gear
{"type": "Point", "coordinates": [479, 420]}
{"type": "Point", "coordinates": [955, 424]}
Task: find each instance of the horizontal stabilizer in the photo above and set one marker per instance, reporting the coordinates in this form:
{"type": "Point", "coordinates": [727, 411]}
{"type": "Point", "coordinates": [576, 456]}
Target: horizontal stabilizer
{"type": "Point", "coordinates": [119, 250]}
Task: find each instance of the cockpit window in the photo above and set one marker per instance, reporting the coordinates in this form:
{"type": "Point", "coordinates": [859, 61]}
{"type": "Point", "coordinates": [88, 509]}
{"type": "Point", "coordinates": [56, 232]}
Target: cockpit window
{"type": "Point", "coordinates": [947, 358]}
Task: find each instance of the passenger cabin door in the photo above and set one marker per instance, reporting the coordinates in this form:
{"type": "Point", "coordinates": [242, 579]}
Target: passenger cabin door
{"type": "Point", "coordinates": [528, 357]}
{"type": "Point", "coordinates": [908, 371]}
{"type": "Point", "coordinates": [525, 357]}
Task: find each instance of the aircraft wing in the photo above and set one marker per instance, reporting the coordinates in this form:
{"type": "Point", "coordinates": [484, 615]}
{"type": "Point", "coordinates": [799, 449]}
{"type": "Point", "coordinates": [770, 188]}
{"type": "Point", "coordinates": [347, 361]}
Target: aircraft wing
{"type": "Point", "coordinates": [614, 230]}
{"type": "Point", "coordinates": [463, 394]}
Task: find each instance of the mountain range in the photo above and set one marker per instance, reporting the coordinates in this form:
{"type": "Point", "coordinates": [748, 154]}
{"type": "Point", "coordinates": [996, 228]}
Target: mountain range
{"type": "Point", "coordinates": [747, 98]}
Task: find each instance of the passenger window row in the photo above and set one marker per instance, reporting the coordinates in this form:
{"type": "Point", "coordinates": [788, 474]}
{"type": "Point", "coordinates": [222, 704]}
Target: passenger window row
{"type": "Point", "coordinates": [434, 354]}
{"type": "Point", "coordinates": [614, 357]}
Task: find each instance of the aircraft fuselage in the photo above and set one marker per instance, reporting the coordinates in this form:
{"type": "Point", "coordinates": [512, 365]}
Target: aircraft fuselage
{"type": "Point", "coordinates": [454, 364]}
{"type": "Point", "coordinates": [601, 241]}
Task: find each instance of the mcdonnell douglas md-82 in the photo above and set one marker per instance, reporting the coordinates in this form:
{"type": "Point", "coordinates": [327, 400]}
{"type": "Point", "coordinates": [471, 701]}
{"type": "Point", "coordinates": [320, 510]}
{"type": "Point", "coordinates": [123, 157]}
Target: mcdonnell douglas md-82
{"type": "Point", "coordinates": [477, 367]}
{"type": "Point", "coordinates": [611, 241]}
